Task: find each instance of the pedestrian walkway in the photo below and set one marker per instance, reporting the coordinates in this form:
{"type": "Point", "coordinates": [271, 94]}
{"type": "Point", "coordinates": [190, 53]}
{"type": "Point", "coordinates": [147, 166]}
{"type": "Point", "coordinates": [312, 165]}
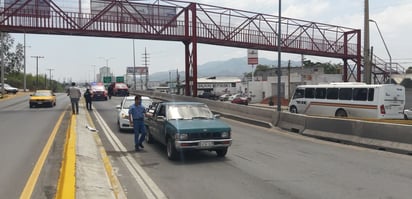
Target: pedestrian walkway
{"type": "Point", "coordinates": [94, 174]}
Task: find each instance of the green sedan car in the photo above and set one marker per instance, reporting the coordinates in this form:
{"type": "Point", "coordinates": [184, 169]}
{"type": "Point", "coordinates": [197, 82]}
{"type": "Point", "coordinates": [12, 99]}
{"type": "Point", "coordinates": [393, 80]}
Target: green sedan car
{"type": "Point", "coordinates": [183, 126]}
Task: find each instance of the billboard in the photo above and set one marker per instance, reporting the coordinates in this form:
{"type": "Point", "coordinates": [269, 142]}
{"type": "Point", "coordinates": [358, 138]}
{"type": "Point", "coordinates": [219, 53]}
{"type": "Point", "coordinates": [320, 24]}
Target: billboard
{"type": "Point", "coordinates": [252, 57]}
{"type": "Point", "coordinates": [37, 8]}
{"type": "Point", "coordinates": [130, 12]}
{"type": "Point", "coordinates": [138, 70]}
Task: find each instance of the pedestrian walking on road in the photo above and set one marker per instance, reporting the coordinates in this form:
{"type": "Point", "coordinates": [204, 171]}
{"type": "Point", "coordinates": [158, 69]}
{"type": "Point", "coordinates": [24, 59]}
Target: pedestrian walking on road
{"type": "Point", "coordinates": [74, 93]}
{"type": "Point", "coordinates": [88, 97]}
{"type": "Point", "coordinates": [137, 113]}
{"type": "Point", "coordinates": [110, 91]}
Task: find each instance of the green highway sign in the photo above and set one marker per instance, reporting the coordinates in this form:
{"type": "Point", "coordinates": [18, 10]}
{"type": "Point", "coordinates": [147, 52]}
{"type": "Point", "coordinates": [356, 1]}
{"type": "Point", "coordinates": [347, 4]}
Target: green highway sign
{"type": "Point", "coordinates": [119, 79]}
{"type": "Point", "coordinates": [107, 79]}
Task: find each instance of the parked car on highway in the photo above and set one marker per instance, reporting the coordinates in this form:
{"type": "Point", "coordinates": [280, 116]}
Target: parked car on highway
{"type": "Point", "coordinates": [120, 89]}
{"type": "Point", "coordinates": [183, 126]}
{"type": "Point", "coordinates": [9, 89]}
{"type": "Point", "coordinates": [123, 108]}
{"type": "Point", "coordinates": [407, 114]}
{"type": "Point", "coordinates": [208, 95]}
{"type": "Point", "coordinates": [42, 98]}
{"type": "Point", "coordinates": [99, 92]}
{"type": "Point", "coordinates": [224, 97]}
{"type": "Point", "coordinates": [240, 100]}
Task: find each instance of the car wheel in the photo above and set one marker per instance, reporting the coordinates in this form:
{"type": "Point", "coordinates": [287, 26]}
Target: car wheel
{"type": "Point", "coordinates": [341, 113]}
{"type": "Point", "coordinates": [31, 105]}
{"type": "Point", "coordinates": [221, 152]}
{"type": "Point", "coordinates": [149, 137]}
{"type": "Point", "coordinates": [171, 150]}
{"type": "Point", "coordinates": [118, 126]}
{"type": "Point", "coordinates": [405, 117]}
{"type": "Point", "coordinates": [293, 109]}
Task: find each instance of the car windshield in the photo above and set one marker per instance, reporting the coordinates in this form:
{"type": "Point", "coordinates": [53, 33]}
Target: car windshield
{"type": "Point", "coordinates": [129, 102]}
{"type": "Point", "coordinates": [188, 112]}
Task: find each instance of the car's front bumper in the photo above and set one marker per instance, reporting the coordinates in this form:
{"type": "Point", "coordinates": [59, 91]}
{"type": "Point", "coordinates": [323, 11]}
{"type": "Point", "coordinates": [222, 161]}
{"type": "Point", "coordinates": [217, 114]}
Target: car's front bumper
{"type": "Point", "coordinates": [124, 124]}
{"type": "Point", "coordinates": [202, 144]}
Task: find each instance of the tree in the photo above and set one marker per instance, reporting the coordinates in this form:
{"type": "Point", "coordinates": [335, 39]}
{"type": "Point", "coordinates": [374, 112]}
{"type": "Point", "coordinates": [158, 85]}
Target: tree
{"type": "Point", "coordinates": [13, 60]}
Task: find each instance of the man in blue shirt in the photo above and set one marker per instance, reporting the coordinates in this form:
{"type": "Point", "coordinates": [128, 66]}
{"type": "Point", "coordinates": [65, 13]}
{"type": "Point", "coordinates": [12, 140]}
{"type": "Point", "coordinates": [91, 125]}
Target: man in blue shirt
{"type": "Point", "coordinates": [136, 119]}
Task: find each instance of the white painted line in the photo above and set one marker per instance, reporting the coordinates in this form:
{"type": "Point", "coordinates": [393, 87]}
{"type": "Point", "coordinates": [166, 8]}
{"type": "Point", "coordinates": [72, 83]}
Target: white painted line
{"type": "Point", "coordinates": [149, 187]}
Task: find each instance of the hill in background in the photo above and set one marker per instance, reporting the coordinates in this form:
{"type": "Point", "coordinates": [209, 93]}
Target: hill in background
{"type": "Point", "coordinates": [234, 67]}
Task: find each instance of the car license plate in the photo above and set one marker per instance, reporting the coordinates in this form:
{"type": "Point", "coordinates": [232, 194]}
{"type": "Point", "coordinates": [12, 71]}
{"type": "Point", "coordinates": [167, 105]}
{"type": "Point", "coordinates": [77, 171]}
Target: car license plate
{"type": "Point", "coordinates": [39, 102]}
{"type": "Point", "coordinates": [204, 144]}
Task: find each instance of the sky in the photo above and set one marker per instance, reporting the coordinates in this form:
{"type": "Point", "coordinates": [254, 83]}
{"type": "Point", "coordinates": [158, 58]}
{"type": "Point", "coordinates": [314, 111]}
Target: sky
{"type": "Point", "coordinates": [79, 58]}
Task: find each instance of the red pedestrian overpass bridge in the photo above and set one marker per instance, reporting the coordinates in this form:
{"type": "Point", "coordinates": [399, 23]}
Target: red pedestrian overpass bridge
{"type": "Point", "coordinates": [190, 23]}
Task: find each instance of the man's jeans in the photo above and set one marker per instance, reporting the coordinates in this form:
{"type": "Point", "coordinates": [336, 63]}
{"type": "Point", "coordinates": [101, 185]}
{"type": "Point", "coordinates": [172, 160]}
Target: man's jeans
{"type": "Point", "coordinates": [75, 105]}
{"type": "Point", "coordinates": [139, 128]}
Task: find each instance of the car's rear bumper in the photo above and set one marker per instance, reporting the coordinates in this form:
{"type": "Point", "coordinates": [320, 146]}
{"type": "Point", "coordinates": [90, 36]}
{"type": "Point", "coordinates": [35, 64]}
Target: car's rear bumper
{"type": "Point", "coordinates": [203, 144]}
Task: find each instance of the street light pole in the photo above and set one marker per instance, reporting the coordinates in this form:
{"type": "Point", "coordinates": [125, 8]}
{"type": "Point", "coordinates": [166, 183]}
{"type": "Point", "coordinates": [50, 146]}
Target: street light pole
{"type": "Point", "coordinates": [94, 73]}
{"type": "Point", "coordinates": [386, 47]}
{"type": "Point", "coordinates": [107, 64]}
{"type": "Point", "coordinates": [37, 69]}
{"type": "Point", "coordinates": [134, 67]}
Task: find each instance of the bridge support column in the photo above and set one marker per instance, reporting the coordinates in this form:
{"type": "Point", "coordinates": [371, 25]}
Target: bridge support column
{"type": "Point", "coordinates": [190, 69]}
{"type": "Point", "coordinates": [191, 53]}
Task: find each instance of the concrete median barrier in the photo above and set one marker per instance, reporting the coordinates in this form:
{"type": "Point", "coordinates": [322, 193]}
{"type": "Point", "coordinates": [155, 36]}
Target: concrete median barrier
{"type": "Point", "coordinates": [291, 122]}
{"type": "Point", "coordinates": [383, 136]}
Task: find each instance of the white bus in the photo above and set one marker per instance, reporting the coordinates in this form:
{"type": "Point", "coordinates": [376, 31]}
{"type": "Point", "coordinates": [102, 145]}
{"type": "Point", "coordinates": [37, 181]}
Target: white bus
{"type": "Point", "coordinates": [382, 101]}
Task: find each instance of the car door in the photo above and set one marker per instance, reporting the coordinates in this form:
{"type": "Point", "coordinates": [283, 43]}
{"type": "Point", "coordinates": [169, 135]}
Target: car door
{"type": "Point", "coordinates": [159, 123]}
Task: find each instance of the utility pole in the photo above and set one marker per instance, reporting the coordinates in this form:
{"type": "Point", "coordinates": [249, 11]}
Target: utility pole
{"type": "Point", "coordinates": [279, 108]}
{"type": "Point", "coordinates": [366, 58]}
{"type": "Point", "coordinates": [50, 76]}
{"type": "Point", "coordinates": [2, 63]}
{"type": "Point", "coordinates": [146, 65]}
{"type": "Point", "coordinates": [37, 69]}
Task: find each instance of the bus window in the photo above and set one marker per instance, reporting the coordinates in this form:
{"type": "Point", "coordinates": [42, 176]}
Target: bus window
{"type": "Point", "coordinates": [370, 94]}
{"type": "Point", "coordinates": [299, 93]}
{"type": "Point", "coordinates": [332, 93]}
{"type": "Point", "coordinates": [360, 94]}
{"type": "Point", "coordinates": [320, 93]}
{"type": "Point", "coordinates": [345, 93]}
{"type": "Point", "coordinates": [309, 93]}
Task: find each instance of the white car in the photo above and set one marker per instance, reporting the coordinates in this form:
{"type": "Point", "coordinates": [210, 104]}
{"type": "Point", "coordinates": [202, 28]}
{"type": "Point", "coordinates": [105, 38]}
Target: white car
{"type": "Point", "coordinates": [407, 114]}
{"type": "Point", "coordinates": [9, 89]}
{"type": "Point", "coordinates": [123, 108]}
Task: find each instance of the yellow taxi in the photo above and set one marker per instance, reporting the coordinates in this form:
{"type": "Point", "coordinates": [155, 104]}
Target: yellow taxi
{"type": "Point", "coordinates": [42, 98]}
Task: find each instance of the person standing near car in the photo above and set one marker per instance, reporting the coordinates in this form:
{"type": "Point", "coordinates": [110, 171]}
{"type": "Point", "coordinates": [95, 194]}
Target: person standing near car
{"type": "Point", "coordinates": [74, 93]}
{"type": "Point", "coordinates": [110, 91]}
{"type": "Point", "coordinates": [136, 119]}
{"type": "Point", "coordinates": [88, 97]}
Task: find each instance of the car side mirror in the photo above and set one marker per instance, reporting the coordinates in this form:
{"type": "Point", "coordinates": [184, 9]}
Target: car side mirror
{"type": "Point", "coordinates": [216, 116]}
{"type": "Point", "coordinates": [118, 107]}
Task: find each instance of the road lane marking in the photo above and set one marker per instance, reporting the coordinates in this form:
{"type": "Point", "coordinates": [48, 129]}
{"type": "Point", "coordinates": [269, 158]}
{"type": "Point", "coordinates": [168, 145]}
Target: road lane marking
{"type": "Point", "coordinates": [149, 187]}
{"type": "Point", "coordinates": [31, 182]}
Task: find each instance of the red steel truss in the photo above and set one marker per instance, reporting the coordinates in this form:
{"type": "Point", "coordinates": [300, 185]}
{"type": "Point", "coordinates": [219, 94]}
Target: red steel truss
{"type": "Point", "coordinates": [190, 23]}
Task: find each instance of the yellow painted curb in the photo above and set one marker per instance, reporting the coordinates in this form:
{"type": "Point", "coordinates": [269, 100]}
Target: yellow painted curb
{"type": "Point", "coordinates": [67, 181]}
